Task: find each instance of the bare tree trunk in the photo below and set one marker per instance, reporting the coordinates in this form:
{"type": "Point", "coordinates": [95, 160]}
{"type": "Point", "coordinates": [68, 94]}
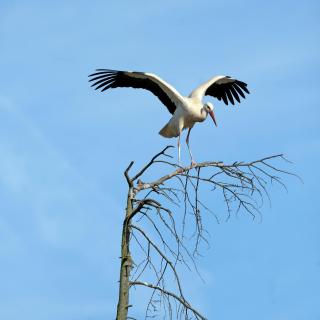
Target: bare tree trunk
{"type": "Point", "coordinates": [126, 263]}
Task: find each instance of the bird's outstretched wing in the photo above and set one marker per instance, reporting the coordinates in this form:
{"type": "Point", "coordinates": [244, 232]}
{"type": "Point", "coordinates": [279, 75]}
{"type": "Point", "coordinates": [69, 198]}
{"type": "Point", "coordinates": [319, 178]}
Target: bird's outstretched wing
{"type": "Point", "coordinates": [104, 79]}
{"type": "Point", "coordinates": [222, 87]}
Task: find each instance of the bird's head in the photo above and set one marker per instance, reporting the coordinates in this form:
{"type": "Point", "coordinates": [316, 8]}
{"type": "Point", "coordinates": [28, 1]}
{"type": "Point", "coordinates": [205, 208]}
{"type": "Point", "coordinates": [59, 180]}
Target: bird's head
{"type": "Point", "coordinates": [208, 107]}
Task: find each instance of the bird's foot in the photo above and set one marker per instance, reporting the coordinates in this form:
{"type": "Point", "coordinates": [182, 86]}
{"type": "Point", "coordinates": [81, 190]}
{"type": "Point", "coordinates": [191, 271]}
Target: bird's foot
{"type": "Point", "coordinates": [180, 167]}
{"type": "Point", "coordinates": [193, 163]}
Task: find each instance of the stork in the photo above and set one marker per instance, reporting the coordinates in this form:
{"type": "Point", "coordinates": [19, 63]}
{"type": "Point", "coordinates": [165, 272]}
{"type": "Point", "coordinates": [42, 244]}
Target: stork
{"type": "Point", "coordinates": [186, 111]}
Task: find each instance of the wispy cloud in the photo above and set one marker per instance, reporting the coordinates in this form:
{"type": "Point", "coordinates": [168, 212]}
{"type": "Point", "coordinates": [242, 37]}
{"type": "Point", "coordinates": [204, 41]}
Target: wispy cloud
{"type": "Point", "coordinates": [46, 185]}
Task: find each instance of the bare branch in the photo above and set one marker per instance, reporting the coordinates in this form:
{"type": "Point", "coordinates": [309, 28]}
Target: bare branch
{"type": "Point", "coordinates": [163, 256]}
{"type": "Point", "coordinates": [141, 172]}
{"type": "Point", "coordinates": [215, 164]}
{"type": "Point", "coordinates": [126, 173]}
{"type": "Point", "coordinates": [171, 294]}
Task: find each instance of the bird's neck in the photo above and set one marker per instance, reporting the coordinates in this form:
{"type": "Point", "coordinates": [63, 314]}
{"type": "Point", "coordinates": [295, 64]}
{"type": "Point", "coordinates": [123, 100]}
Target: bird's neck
{"type": "Point", "coordinates": [204, 113]}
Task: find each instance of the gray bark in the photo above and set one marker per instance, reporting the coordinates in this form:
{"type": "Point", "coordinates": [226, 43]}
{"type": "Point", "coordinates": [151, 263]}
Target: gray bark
{"type": "Point", "coordinates": [126, 263]}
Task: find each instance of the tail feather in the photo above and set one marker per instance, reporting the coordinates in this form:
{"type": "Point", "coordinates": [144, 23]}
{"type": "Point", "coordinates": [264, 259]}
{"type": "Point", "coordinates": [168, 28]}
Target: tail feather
{"type": "Point", "coordinates": [168, 131]}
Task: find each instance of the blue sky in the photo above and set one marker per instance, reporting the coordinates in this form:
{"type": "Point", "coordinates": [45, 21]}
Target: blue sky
{"type": "Point", "coordinates": [64, 147]}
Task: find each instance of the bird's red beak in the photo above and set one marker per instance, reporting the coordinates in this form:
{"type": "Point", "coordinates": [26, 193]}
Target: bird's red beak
{"type": "Point", "coordinates": [213, 117]}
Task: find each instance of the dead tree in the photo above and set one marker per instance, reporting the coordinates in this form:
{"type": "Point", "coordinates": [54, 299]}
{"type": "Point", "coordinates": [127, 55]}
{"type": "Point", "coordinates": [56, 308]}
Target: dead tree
{"type": "Point", "coordinates": [157, 233]}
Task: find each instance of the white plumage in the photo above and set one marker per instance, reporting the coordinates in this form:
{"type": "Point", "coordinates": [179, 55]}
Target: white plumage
{"type": "Point", "coordinates": [186, 111]}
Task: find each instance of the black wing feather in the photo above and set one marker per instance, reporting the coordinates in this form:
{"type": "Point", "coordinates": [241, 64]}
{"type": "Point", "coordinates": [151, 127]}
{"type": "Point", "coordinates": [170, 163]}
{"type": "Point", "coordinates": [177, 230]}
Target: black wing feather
{"type": "Point", "coordinates": [105, 79]}
{"type": "Point", "coordinates": [230, 97]}
{"type": "Point", "coordinates": [228, 91]}
{"type": "Point", "coordinates": [242, 85]}
{"type": "Point", "coordinates": [239, 90]}
{"type": "Point", "coordinates": [224, 96]}
{"type": "Point", "coordinates": [234, 93]}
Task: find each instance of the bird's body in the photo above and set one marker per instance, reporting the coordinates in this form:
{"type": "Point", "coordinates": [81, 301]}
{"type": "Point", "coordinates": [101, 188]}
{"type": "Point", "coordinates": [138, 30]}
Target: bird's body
{"type": "Point", "coordinates": [186, 115]}
{"type": "Point", "coordinates": [186, 111]}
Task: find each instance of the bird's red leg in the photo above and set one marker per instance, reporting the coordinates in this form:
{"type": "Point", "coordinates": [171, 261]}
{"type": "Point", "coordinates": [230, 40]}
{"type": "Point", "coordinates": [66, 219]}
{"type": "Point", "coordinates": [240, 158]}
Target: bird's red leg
{"type": "Point", "coordinates": [179, 161]}
{"type": "Point", "coordinates": [180, 169]}
{"type": "Point", "coordinates": [187, 141]}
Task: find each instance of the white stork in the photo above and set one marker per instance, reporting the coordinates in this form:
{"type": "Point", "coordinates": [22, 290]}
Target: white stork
{"type": "Point", "coordinates": [186, 111]}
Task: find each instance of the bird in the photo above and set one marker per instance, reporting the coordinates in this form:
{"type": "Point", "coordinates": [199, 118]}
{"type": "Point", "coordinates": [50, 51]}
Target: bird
{"type": "Point", "coordinates": [186, 110]}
